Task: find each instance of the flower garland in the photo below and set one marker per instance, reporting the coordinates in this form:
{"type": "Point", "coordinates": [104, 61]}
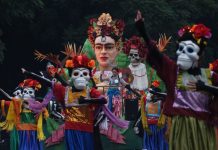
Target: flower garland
{"type": "Point", "coordinates": [105, 26]}
{"type": "Point", "coordinates": [198, 31]}
{"type": "Point", "coordinates": [80, 61]}
{"type": "Point", "coordinates": [30, 83]}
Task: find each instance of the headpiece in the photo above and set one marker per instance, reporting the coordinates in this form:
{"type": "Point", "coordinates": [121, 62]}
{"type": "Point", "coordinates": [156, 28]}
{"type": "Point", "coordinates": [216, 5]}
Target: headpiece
{"type": "Point", "coordinates": [30, 83]}
{"type": "Point", "coordinates": [198, 33]}
{"type": "Point", "coordinates": [105, 26]}
{"type": "Point", "coordinates": [80, 61]}
{"type": "Point", "coordinates": [135, 42]}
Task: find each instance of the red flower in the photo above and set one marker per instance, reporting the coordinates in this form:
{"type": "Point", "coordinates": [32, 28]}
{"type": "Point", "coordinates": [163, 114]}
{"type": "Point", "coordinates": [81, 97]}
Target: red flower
{"type": "Point", "coordinates": [156, 83]}
{"type": "Point", "coordinates": [95, 93]}
{"type": "Point", "coordinates": [69, 64]}
{"type": "Point", "coordinates": [200, 31]}
{"type": "Point", "coordinates": [120, 25]}
{"type": "Point", "coordinates": [30, 83]}
{"type": "Point", "coordinates": [91, 63]}
{"type": "Point", "coordinates": [81, 61]}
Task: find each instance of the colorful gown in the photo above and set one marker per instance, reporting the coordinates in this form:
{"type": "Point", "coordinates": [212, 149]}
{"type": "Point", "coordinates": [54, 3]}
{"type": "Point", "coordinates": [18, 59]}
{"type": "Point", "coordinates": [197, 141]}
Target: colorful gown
{"type": "Point", "coordinates": [156, 139]}
{"type": "Point", "coordinates": [26, 131]}
{"type": "Point", "coordinates": [191, 116]}
{"type": "Point", "coordinates": [79, 121]}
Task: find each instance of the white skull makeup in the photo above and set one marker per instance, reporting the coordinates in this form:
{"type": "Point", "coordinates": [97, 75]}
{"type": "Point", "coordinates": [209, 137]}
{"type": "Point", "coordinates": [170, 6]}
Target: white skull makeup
{"type": "Point", "coordinates": [134, 57]}
{"type": "Point", "coordinates": [80, 78]}
{"type": "Point", "coordinates": [28, 92]}
{"type": "Point", "coordinates": [17, 93]}
{"type": "Point", "coordinates": [187, 55]}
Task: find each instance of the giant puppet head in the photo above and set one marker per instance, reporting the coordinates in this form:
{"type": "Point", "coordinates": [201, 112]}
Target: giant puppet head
{"type": "Point", "coordinates": [192, 41]}
{"type": "Point", "coordinates": [105, 36]}
{"type": "Point", "coordinates": [29, 87]}
{"type": "Point", "coordinates": [81, 67]}
{"type": "Point", "coordinates": [135, 49]}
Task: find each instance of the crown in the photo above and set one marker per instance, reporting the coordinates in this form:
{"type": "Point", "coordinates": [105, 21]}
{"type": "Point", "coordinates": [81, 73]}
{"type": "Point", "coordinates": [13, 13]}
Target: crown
{"type": "Point", "coordinates": [105, 26]}
{"type": "Point", "coordinates": [30, 83]}
{"type": "Point", "coordinates": [134, 42]}
{"type": "Point", "coordinates": [199, 32]}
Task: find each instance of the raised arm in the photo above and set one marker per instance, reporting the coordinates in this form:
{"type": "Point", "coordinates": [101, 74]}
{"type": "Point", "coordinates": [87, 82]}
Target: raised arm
{"type": "Point", "coordinates": [157, 60]}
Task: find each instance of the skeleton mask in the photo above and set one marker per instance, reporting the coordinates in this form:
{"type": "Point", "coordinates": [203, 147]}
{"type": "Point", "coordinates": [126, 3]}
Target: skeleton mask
{"type": "Point", "coordinates": [28, 92]}
{"type": "Point", "coordinates": [187, 55]}
{"type": "Point", "coordinates": [80, 78]}
{"type": "Point", "coordinates": [17, 93]}
{"type": "Point", "coordinates": [134, 57]}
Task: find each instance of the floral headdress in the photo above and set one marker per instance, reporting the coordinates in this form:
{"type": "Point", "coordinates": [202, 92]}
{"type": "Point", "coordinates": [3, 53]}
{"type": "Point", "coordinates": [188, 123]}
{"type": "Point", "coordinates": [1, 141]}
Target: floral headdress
{"type": "Point", "coordinates": [77, 59]}
{"type": "Point", "coordinates": [105, 26]}
{"type": "Point", "coordinates": [135, 42]}
{"type": "Point", "coordinates": [30, 83]}
{"type": "Point", "coordinates": [198, 33]}
{"type": "Point", "coordinates": [80, 61]}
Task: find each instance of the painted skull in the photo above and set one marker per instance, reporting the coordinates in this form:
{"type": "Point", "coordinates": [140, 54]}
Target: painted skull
{"type": "Point", "coordinates": [187, 55]}
{"type": "Point", "coordinates": [134, 57]}
{"type": "Point", "coordinates": [18, 93]}
{"type": "Point", "coordinates": [28, 92]}
{"type": "Point", "coordinates": [80, 78]}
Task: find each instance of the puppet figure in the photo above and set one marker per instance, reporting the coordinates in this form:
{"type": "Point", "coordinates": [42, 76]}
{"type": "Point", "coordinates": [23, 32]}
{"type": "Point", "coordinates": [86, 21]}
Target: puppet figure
{"type": "Point", "coordinates": [151, 124]}
{"type": "Point", "coordinates": [23, 121]}
{"type": "Point", "coordinates": [135, 49]}
{"type": "Point", "coordinates": [189, 88]}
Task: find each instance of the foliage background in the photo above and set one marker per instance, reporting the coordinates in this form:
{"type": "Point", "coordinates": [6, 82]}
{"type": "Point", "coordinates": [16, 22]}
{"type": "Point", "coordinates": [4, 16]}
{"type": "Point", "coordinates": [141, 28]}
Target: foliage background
{"type": "Point", "coordinates": [47, 25]}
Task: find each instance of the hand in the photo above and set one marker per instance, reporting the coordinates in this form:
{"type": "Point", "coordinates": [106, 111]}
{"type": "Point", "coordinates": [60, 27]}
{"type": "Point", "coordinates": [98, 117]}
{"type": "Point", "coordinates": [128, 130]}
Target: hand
{"type": "Point", "coordinates": [139, 16]}
{"type": "Point", "coordinates": [23, 70]}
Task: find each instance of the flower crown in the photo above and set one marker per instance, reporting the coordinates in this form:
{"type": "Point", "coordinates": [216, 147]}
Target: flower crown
{"type": "Point", "coordinates": [30, 83]}
{"type": "Point", "coordinates": [80, 61]}
{"type": "Point", "coordinates": [134, 42]}
{"type": "Point", "coordinates": [105, 26]}
{"type": "Point", "coordinates": [199, 32]}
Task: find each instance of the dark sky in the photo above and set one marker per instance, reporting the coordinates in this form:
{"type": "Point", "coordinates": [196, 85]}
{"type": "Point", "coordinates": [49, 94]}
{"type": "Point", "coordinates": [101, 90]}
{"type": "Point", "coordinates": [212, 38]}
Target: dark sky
{"type": "Point", "coordinates": [20, 48]}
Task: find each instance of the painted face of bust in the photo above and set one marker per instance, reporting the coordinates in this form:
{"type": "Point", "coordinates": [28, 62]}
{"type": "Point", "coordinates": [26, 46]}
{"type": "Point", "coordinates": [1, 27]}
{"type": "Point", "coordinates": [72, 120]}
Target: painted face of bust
{"type": "Point", "coordinates": [105, 51]}
{"type": "Point", "coordinates": [187, 55]}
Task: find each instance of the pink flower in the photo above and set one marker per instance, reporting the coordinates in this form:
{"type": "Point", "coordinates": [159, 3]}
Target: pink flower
{"type": "Point", "coordinates": [183, 30]}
